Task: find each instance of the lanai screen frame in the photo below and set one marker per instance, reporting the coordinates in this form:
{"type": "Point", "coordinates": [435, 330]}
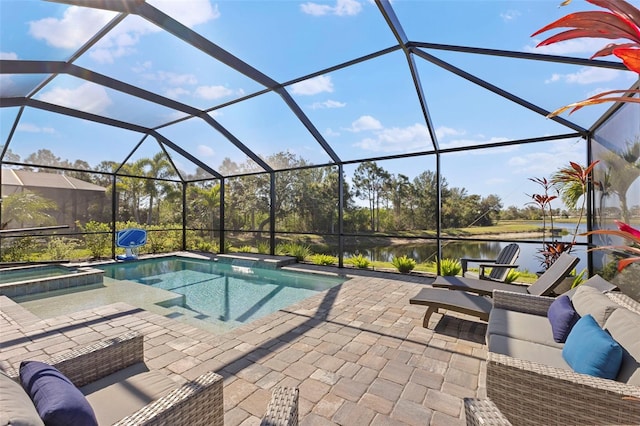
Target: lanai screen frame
{"type": "Point", "coordinates": [411, 50]}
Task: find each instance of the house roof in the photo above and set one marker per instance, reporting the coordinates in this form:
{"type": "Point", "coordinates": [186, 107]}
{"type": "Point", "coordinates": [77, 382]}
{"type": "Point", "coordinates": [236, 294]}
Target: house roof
{"type": "Point", "coordinates": [28, 179]}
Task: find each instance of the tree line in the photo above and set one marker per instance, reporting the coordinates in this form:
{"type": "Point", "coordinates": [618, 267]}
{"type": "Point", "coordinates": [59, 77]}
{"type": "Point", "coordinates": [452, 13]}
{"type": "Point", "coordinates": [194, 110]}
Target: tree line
{"type": "Point", "coordinates": [375, 200]}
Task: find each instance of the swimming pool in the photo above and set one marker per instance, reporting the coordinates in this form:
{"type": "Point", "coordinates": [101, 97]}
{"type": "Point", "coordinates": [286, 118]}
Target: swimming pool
{"type": "Point", "coordinates": [224, 294]}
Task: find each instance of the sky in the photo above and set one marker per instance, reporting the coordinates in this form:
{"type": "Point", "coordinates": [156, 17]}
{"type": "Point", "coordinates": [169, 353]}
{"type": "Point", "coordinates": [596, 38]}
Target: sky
{"type": "Point", "coordinates": [366, 110]}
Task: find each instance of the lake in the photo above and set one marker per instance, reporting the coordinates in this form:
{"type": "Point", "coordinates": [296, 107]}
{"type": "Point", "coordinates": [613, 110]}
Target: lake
{"type": "Point", "coordinates": [425, 252]}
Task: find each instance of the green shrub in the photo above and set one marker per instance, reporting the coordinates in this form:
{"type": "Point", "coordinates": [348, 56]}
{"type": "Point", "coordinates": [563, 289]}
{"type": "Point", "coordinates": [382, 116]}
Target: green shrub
{"type": "Point", "coordinates": [19, 249]}
{"type": "Point", "coordinates": [98, 238]}
{"type": "Point", "coordinates": [244, 249]}
{"type": "Point", "coordinates": [299, 251]}
{"type": "Point", "coordinates": [360, 261]}
{"type": "Point", "coordinates": [404, 264]}
{"type": "Point", "coordinates": [579, 278]}
{"type": "Point", "coordinates": [60, 248]}
{"type": "Point", "coordinates": [450, 267]}
{"type": "Point", "coordinates": [512, 275]}
{"type": "Point", "coordinates": [323, 259]}
{"type": "Point", "coordinates": [263, 247]}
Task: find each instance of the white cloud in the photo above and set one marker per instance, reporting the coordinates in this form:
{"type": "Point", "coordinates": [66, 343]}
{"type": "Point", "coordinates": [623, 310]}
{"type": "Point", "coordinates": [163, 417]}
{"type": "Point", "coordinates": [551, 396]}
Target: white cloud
{"type": "Point", "coordinates": [544, 163]}
{"type": "Point", "coordinates": [342, 8]}
{"type": "Point", "coordinates": [77, 25]}
{"type": "Point", "coordinates": [205, 151]}
{"type": "Point", "coordinates": [366, 122]}
{"type": "Point", "coordinates": [510, 15]}
{"type": "Point", "coordinates": [331, 132]}
{"type": "Point", "coordinates": [328, 104]}
{"type": "Point", "coordinates": [585, 45]}
{"type": "Point", "coordinates": [598, 91]}
{"type": "Point", "coordinates": [8, 55]}
{"type": "Point", "coordinates": [212, 92]}
{"type": "Point", "coordinates": [122, 40]}
{"type": "Point", "coordinates": [586, 76]}
{"type": "Point", "coordinates": [176, 92]}
{"type": "Point", "coordinates": [173, 78]}
{"type": "Point", "coordinates": [313, 86]}
{"type": "Point", "coordinates": [397, 139]}
{"type": "Point", "coordinates": [32, 128]}
{"type": "Point", "coordinates": [87, 97]}
{"type": "Point", "coordinates": [193, 13]}
{"type": "Point", "coordinates": [443, 132]}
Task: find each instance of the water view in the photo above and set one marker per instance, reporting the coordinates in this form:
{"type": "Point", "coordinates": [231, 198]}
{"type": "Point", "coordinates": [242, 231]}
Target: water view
{"type": "Point", "coordinates": [425, 252]}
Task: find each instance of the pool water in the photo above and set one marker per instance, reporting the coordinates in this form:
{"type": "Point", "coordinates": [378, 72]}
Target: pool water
{"type": "Point", "coordinates": [222, 293]}
{"type": "Point", "coordinates": [12, 275]}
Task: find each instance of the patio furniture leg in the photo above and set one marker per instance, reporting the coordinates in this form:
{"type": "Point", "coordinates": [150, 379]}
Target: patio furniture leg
{"type": "Point", "coordinates": [427, 315]}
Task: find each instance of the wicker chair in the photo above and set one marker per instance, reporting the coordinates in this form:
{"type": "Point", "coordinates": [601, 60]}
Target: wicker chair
{"type": "Point", "coordinates": [198, 402]}
{"type": "Point", "coordinates": [530, 393]}
{"type": "Point", "coordinates": [483, 412]}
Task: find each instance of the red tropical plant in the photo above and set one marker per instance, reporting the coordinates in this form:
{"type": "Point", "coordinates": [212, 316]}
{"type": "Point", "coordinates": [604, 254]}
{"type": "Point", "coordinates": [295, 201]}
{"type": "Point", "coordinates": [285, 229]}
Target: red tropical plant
{"type": "Point", "coordinates": [621, 22]}
{"type": "Point", "coordinates": [632, 252]}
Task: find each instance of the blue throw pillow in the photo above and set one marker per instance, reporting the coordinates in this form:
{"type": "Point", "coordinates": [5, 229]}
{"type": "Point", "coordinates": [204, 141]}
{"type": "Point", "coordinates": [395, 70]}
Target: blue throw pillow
{"type": "Point", "coordinates": [57, 400]}
{"type": "Point", "coordinates": [562, 317]}
{"type": "Point", "coordinates": [591, 350]}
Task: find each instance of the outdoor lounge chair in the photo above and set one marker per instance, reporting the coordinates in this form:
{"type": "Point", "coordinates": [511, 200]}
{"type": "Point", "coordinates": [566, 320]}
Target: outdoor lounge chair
{"type": "Point", "coordinates": [543, 286]}
{"type": "Point", "coordinates": [500, 266]}
{"type": "Point", "coordinates": [121, 390]}
{"type": "Point", "coordinates": [455, 298]}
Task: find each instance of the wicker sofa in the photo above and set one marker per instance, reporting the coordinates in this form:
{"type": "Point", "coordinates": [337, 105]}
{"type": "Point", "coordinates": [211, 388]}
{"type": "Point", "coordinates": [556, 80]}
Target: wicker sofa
{"type": "Point", "coordinates": [530, 383]}
{"type": "Point", "coordinates": [122, 391]}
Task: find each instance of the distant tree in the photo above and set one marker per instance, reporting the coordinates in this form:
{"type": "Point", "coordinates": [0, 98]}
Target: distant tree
{"type": "Point", "coordinates": [43, 157]}
{"type": "Point", "coordinates": [10, 156]}
{"type": "Point", "coordinates": [369, 182]}
{"type": "Point", "coordinates": [27, 209]}
{"type": "Point", "coordinates": [425, 195]}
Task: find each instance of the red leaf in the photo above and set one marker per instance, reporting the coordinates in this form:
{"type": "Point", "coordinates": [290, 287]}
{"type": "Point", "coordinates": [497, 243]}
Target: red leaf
{"type": "Point", "coordinates": [626, 262]}
{"type": "Point", "coordinates": [594, 24]}
{"type": "Point", "coordinates": [630, 57]}
{"type": "Point", "coordinates": [621, 8]}
{"type": "Point", "coordinates": [627, 228]}
{"type": "Point", "coordinates": [609, 48]}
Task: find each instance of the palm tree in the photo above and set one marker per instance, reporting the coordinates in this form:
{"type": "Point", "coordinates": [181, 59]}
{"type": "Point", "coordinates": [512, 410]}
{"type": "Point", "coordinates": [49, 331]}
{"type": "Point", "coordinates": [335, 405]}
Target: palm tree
{"type": "Point", "coordinates": [158, 167]}
{"type": "Point", "coordinates": [573, 181]}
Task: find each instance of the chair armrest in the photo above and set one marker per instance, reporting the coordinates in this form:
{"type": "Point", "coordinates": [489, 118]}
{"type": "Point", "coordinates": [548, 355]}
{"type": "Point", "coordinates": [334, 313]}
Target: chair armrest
{"type": "Point", "coordinates": [282, 409]}
{"type": "Point", "coordinates": [196, 403]}
{"type": "Point", "coordinates": [520, 302]}
{"type": "Point", "coordinates": [90, 363]}
{"type": "Point", "coordinates": [465, 260]}
{"type": "Point", "coordinates": [529, 393]}
{"type": "Point", "coordinates": [483, 412]}
{"type": "Point", "coordinates": [482, 266]}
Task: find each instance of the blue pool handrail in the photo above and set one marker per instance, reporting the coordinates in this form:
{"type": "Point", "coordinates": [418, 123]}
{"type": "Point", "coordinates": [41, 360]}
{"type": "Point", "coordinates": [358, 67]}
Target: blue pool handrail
{"type": "Point", "coordinates": [129, 239]}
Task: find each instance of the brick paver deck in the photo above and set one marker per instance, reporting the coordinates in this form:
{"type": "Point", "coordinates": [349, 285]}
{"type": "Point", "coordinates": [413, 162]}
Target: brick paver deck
{"type": "Point", "coordinates": [357, 352]}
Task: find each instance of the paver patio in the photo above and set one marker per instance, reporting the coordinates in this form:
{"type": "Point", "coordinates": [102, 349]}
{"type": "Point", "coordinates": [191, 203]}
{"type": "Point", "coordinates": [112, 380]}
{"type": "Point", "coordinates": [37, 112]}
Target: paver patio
{"type": "Point", "coordinates": [357, 352]}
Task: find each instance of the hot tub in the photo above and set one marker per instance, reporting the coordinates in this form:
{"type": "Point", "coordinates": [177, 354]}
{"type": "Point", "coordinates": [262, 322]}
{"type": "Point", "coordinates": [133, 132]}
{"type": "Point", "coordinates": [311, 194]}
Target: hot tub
{"type": "Point", "coordinates": [24, 280]}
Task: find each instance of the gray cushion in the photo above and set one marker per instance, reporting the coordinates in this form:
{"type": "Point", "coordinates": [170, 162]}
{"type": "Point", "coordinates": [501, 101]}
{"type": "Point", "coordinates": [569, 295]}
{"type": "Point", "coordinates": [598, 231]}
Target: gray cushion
{"type": "Point", "coordinates": [125, 392]}
{"type": "Point", "coordinates": [17, 407]}
{"type": "Point", "coordinates": [518, 325]}
{"type": "Point", "coordinates": [624, 327]}
{"type": "Point", "coordinates": [530, 351]}
{"type": "Point", "coordinates": [589, 300]}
